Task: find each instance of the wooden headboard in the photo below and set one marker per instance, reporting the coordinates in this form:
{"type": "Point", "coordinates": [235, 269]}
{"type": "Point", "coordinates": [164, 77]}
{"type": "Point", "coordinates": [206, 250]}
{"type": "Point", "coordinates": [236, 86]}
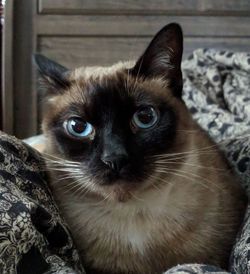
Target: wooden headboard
{"type": "Point", "coordinates": [101, 32]}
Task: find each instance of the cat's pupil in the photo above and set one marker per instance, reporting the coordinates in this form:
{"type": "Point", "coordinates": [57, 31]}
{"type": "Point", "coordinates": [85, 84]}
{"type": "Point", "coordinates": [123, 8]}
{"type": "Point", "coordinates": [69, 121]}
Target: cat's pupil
{"type": "Point", "coordinates": [78, 125]}
{"type": "Point", "coordinates": [145, 115]}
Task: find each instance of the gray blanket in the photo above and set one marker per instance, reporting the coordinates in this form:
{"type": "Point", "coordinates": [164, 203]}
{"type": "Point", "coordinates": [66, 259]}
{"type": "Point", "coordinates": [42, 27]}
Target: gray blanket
{"type": "Point", "coordinates": [34, 239]}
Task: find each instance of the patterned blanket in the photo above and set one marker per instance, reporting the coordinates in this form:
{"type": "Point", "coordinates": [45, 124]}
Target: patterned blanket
{"type": "Point", "coordinates": [217, 92]}
{"type": "Point", "coordinates": [34, 239]}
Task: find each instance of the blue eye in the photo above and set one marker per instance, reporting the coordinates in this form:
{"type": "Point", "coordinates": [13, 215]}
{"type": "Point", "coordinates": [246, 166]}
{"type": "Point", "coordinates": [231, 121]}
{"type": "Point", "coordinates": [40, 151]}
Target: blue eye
{"type": "Point", "coordinates": [78, 128]}
{"type": "Point", "coordinates": [145, 117]}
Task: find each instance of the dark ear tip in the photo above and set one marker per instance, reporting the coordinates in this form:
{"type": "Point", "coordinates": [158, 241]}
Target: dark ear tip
{"type": "Point", "coordinates": [175, 27]}
{"type": "Point", "coordinates": [38, 59]}
{"type": "Point", "coordinates": [47, 66]}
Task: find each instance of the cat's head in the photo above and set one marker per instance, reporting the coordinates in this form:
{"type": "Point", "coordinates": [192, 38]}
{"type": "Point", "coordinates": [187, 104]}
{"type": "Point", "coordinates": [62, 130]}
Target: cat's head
{"type": "Point", "coordinates": [109, 123]}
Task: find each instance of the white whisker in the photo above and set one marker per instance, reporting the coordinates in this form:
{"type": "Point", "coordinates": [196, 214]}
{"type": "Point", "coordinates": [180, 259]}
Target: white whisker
{"type": "Point", "coordinates": [160, 179]}
{"type": "Point", "coordinates": [162, 163]}
{"type": "Point", "coordinates": [137, 198]}
{"type": "Point", "coordinates": [184, 174]}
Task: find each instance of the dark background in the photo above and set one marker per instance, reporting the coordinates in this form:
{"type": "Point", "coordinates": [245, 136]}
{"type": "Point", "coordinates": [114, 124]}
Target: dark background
{"type": "Point", "coordinates": [1, 35]}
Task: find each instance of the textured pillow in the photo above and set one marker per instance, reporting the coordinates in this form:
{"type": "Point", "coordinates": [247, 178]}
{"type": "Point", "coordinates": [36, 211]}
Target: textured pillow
{"type": "Point", "coordinates": [33, 237]}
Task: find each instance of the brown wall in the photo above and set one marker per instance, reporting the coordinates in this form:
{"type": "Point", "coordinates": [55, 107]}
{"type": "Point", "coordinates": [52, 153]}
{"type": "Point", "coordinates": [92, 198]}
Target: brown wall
{"type": "Point", "coordinates": [83, 32]}
{"type": "Point", "coordinates": [1, 41]}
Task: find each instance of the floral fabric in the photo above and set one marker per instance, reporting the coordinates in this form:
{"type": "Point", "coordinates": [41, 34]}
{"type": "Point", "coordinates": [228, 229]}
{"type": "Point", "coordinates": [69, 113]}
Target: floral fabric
{"type": "Point", "coordinates": [33, 237]}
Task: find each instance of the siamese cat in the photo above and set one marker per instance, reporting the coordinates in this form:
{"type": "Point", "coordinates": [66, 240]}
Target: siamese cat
{"type": "Point", "coordinates": [140, 185]}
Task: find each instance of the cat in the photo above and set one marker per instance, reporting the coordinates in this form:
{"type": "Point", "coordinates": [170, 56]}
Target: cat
{"type": "Point", "coordinates": [140, 184]}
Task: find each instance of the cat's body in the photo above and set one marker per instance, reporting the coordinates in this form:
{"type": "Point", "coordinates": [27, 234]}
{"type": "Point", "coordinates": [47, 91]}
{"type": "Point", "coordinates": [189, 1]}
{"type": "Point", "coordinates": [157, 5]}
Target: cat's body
{"type": "Point", "coordinates": [145, 189]}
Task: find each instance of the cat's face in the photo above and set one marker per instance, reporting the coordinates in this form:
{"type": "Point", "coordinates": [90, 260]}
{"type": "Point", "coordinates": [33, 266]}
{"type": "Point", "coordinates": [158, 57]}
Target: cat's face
{"type": "Point", "coordinates": [111, 122]}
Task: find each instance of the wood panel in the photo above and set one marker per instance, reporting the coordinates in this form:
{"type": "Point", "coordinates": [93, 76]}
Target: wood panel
{"type": "Point", "coordinates": [1, 66]}
{"type": "Point", "coordinates": [97, 32]}
{"type": "Point", "coordinates": [140, 25]}
{"type": "Point", "coordinates": [7, 69]}
{"type": "Point", "coordinates": [78, 51]}
{"type": "Point", "coordinates": [25, 99]}
{"type": "Point", "coordinates": [144, 7]}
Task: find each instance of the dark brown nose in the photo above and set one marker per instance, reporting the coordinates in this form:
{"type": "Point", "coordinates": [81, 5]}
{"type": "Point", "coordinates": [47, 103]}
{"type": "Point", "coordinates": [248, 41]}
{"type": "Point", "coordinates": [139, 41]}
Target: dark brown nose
{"type": "Point", "coordinates": [116, 161]}
{"type": "Point", "coordinates": [114, 154]}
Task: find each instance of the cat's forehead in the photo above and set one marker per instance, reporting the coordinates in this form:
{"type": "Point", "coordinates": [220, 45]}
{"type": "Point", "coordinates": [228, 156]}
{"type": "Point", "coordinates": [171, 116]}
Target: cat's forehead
{"type": "Point", "coordinates": [101, 88]}
{"type": "Point", "coordinates": [116, 79]}
{"type": "Point", "coordinates": [100, 72]}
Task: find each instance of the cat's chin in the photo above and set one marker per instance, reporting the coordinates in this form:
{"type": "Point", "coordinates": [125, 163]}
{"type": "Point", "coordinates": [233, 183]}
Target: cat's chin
{"type": "Point", "coordinates": [122, 190]}
{"type": "Point", "coordinates": [120, 195]}
{"type": "Point", "coordinates": [119, 191]}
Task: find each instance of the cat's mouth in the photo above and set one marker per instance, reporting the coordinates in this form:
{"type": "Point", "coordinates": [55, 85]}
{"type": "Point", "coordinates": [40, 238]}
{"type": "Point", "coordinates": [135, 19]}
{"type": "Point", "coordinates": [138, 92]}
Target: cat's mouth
{"type": "Point", "coordinates": [120, 187]}
{"type": "Point", "coordinates": [124, 177]}
{"type": "Point", "coordinates": [110, 178]}
{"type": "Point", "coordinates": [131, 183]}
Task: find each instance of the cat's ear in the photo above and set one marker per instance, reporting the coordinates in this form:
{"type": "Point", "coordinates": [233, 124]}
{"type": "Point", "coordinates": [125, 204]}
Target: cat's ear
{"type": "Point", "coordinates": [53, 77]}
{"type": "Point", "coordinates": [162, 58]}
